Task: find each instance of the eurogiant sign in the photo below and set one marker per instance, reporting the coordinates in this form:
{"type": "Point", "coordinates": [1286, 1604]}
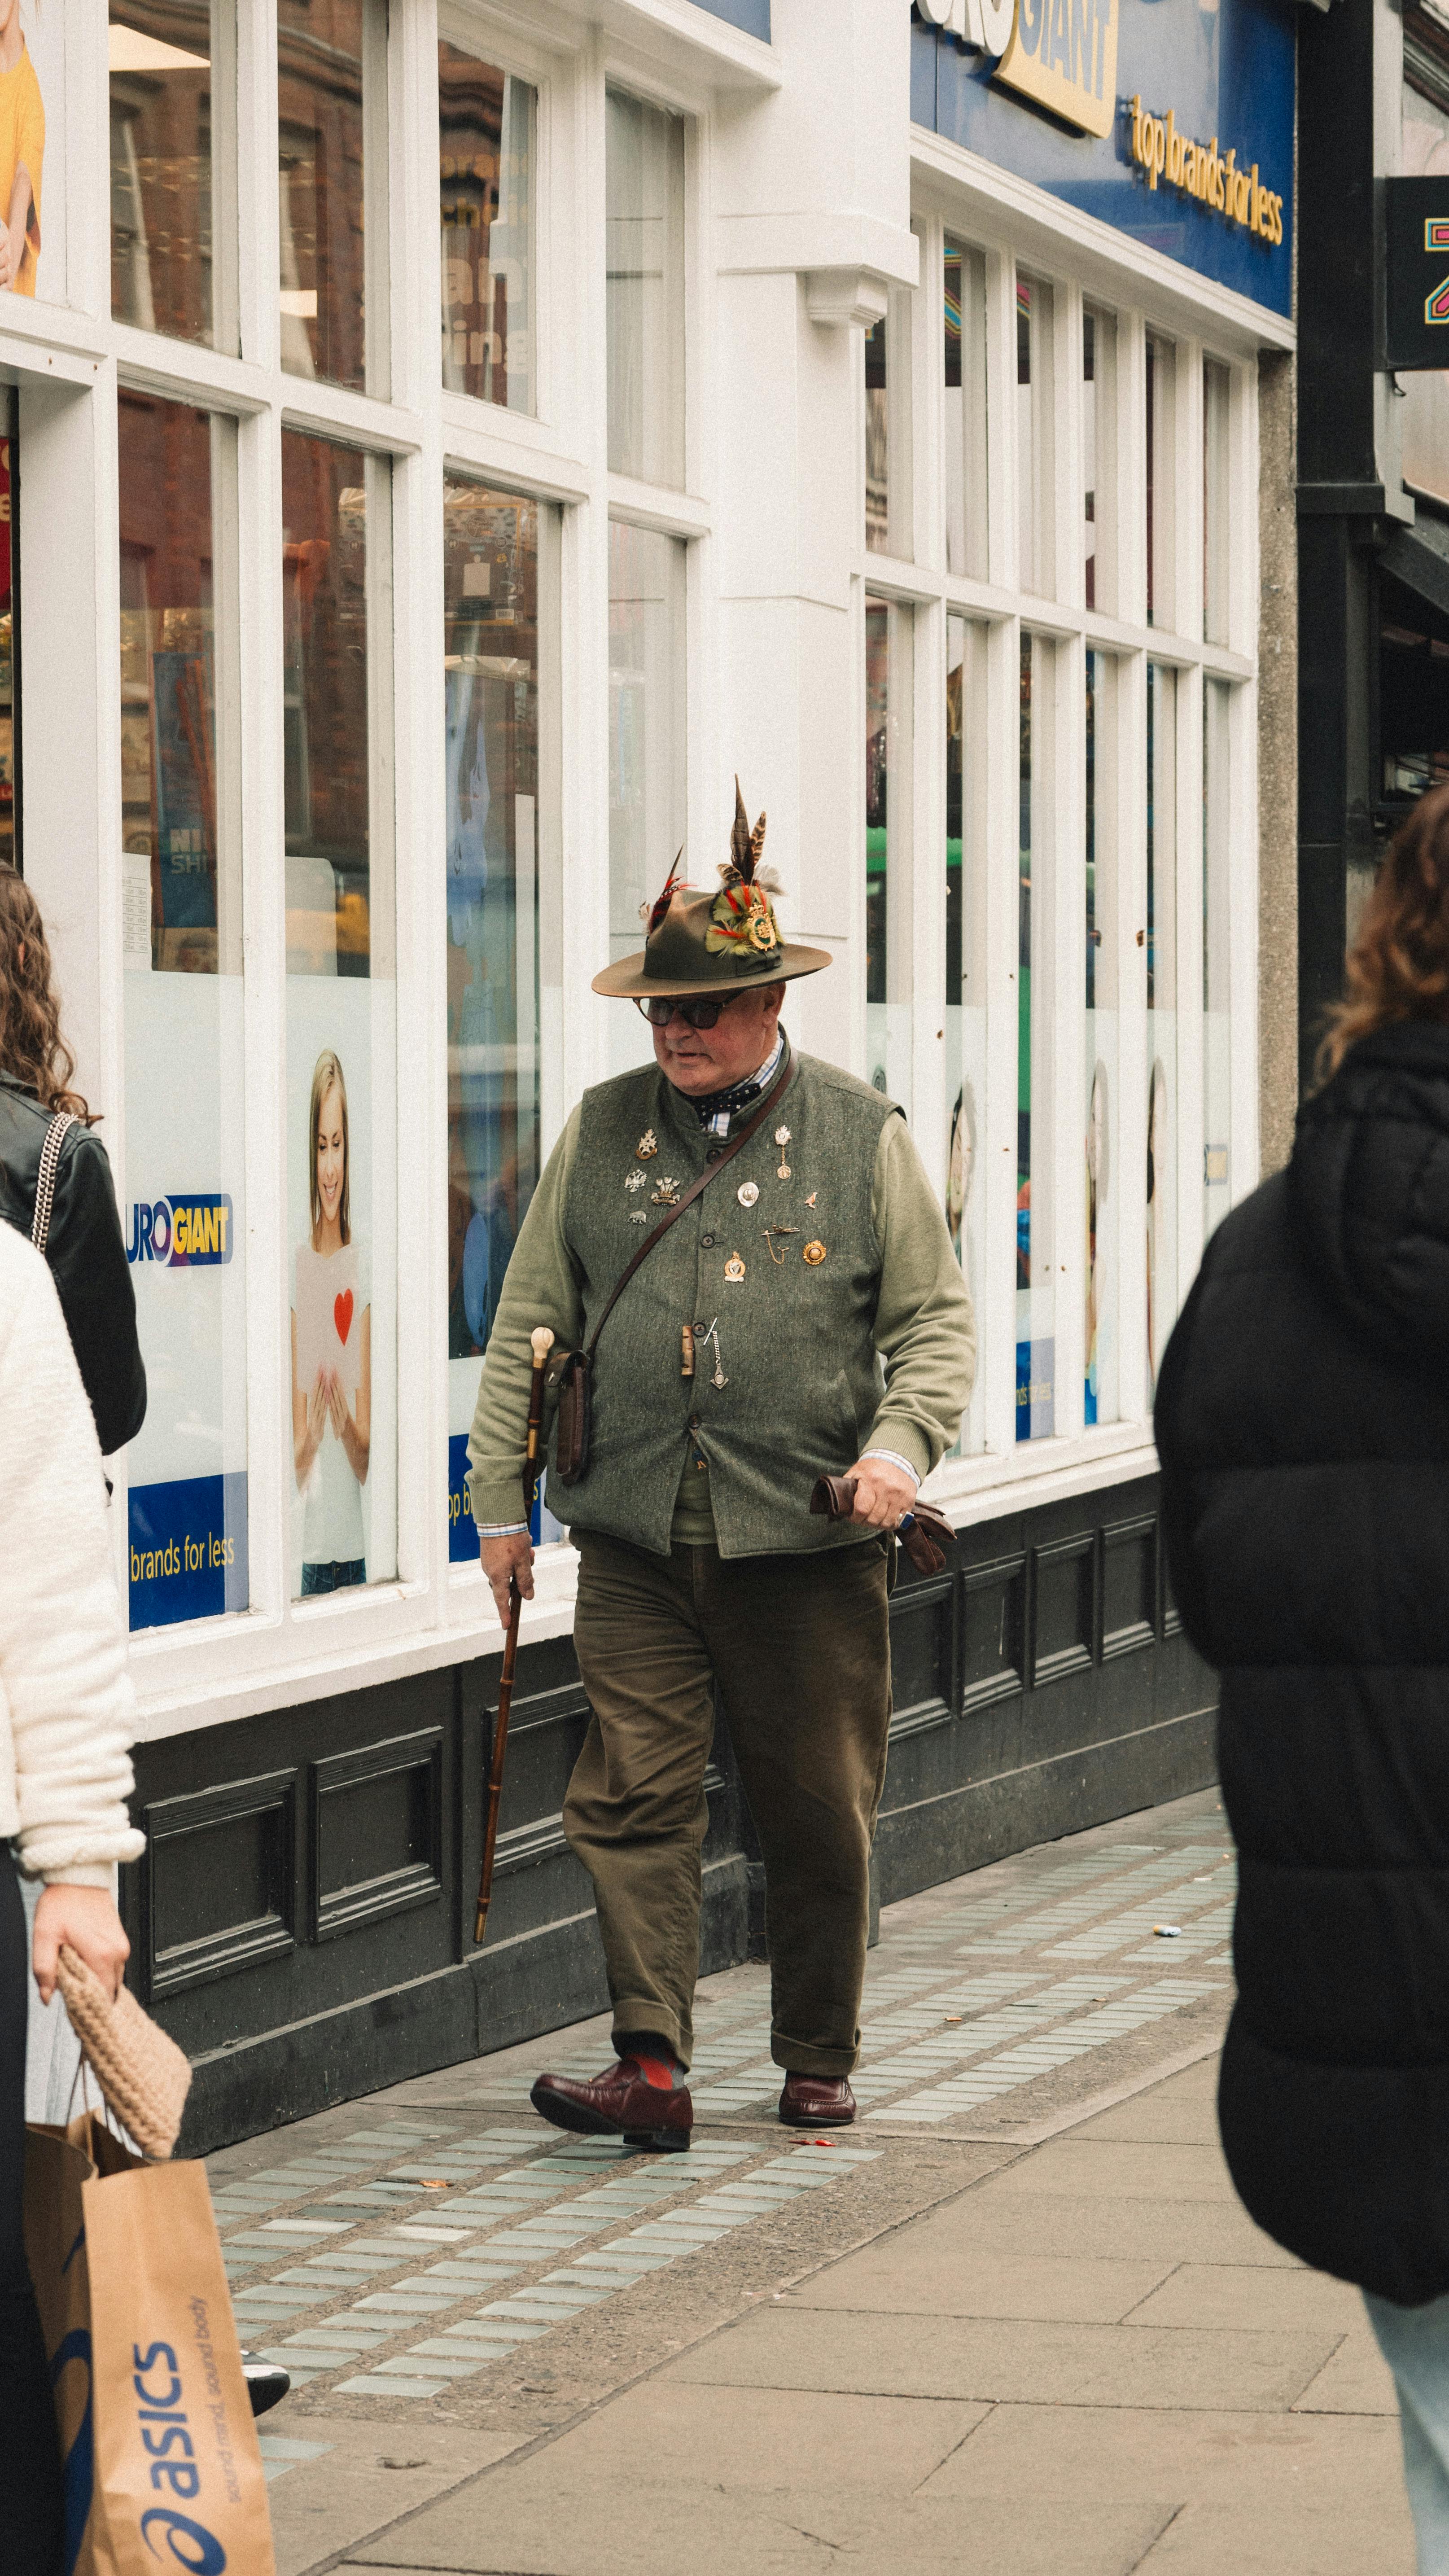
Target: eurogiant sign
{"type": "Point", "coordinates": [1062, 53]}
{"type": "Point", "coordinates": [1080, 97]}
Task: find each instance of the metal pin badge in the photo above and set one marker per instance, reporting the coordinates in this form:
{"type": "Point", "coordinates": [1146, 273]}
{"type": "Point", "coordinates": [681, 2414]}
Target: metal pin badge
{"type": "Point", "coordinates": [747, 1193]}
{"type": "Point", "coordinates": [814, 1253]}
{"type": "Point", "coordinates": [734, 1267]}
{"type": "Point", "coordinates": [648, 1146]}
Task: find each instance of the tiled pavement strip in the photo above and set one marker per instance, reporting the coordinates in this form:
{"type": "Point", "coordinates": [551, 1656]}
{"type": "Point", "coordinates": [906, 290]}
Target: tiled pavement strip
{"type": "Point", "coordinates": [338, 2236]}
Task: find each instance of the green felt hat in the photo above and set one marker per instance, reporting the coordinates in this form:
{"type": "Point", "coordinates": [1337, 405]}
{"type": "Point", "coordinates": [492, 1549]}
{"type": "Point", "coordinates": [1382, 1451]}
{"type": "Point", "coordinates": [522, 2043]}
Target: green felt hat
{"type": "Point", "coordinates": [698, 943]}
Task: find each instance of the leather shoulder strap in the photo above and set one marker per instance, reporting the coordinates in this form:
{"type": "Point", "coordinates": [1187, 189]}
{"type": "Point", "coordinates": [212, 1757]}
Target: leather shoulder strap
{"type": "Point", "coordinates": [711, 1172]}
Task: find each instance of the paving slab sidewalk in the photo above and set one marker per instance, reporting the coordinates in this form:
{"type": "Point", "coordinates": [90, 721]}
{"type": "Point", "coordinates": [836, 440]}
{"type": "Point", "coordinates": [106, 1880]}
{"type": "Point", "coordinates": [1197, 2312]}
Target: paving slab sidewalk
{"type": "Point", "coordinates": [1052, 2342]}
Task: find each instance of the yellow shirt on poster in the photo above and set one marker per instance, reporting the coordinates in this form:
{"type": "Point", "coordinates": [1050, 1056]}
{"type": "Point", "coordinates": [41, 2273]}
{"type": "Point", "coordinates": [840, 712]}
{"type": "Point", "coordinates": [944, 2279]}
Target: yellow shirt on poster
{"type": "Point", "coordinates": [22, 138]}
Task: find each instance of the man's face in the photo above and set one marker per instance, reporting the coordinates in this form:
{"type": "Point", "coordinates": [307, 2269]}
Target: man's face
{"type": "Point", "coordinates": [698, 1061]}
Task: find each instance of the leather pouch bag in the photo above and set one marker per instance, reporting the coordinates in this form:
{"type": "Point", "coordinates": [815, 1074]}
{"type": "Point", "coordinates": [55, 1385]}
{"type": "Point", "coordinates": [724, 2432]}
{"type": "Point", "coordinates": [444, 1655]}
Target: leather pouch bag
{"type": "Point", "coordinates": [573, 1421]}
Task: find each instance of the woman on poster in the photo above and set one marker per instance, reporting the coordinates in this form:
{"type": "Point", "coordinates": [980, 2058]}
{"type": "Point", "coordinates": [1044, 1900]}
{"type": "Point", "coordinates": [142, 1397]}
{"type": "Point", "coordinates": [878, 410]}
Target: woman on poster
{"type": "Point", "coordinates": [331, 1351]}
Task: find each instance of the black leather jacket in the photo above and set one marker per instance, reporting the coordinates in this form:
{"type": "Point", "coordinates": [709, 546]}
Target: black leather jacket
{"type": "Point", "coordinates": [87, 1256]}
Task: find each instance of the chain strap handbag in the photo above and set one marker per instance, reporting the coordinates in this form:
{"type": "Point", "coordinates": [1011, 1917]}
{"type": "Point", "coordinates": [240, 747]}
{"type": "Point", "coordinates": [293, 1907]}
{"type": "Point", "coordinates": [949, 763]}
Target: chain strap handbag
{"type": "Point", "coordinates": [54, 1139]}
{"type": "Point", "coordinates": [572, 1371]}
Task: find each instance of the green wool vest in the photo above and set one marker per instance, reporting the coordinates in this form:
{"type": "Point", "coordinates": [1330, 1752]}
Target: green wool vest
{"type": "Point", "coordinates": [803, 1382]}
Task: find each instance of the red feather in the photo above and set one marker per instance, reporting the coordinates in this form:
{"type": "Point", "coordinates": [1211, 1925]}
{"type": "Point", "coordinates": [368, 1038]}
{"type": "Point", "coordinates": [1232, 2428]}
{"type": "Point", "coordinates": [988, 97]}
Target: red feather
{"type": "Point", "coordinates": [663, 901]}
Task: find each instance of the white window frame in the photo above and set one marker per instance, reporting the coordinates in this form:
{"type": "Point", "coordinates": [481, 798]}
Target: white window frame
{"type": "Point", "coordinates": [1012, 224]}
{"type": "Point", "coordinates": [69, 362]}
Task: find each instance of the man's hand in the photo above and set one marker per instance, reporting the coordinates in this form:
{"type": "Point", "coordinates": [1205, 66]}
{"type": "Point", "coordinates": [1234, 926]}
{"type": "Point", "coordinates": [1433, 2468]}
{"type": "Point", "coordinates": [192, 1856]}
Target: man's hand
{"type": "Point", "coordinates": [86, 1920]}
{"type": "Point", "coordinates": [9, 261]}
{"type": "Point", "coordinates": [883, 1493]}
{"type": "Point", "coordinates": [505, 1560]}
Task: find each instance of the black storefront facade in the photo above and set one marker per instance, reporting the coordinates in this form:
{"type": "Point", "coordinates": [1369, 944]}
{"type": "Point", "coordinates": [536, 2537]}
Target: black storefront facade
{"type": "Point", "coordinates": [411, 546]}
{"type": "Point", "coordinates": [1373, 464]}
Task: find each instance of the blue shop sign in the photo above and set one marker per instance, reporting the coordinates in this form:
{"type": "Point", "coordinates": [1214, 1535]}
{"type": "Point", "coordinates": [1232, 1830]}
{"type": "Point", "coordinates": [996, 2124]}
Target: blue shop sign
{"type": "Point", "coordinates": [1171, 120]}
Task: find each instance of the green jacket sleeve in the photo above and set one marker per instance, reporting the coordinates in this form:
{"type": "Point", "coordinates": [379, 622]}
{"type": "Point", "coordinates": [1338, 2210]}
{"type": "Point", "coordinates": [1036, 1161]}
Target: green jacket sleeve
{"type": "Point", "coordinates": [925, 1331]}
{"type": "Point", "coordinates": [541, 1287]}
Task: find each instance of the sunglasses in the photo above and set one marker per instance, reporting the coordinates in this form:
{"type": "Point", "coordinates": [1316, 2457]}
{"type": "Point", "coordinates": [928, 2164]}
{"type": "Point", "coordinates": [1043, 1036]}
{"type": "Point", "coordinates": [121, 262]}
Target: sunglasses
{"type": "Point", "coordinates": [696, 1011]}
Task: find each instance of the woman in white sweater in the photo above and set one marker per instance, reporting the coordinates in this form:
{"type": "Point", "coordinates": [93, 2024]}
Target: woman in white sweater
{"type": "Point", "coordinates": [66, 1725]}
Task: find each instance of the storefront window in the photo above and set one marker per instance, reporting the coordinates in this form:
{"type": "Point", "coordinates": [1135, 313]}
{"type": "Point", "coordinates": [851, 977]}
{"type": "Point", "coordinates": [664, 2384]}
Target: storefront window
{"type": "Point", "coordinates": [1161, 1013]}
{"type": "Point", "coordinates": [491, 719]}
{"type": "Point", "coordinates": [184, 1220]}
{"type": "Point", "coordinates": [644, 189]}
{"type": "Point", "coordinates": [647, 813]}
{"type": "Point", "coordinates": [1158, 498]}
{"type": "Point", "coordinates": [324, 84]}
{"type": "Point", "coordinates": [161, 58]}
{"type": "Point", "coordinates": [1099, 394]}
{"type": "Point", "coordinates": [1035, 1290]}
{"type": "Point", "coordinates": [341, 1022]}
{"type": "Point", "coordinates": [877, 439]}
{"type": "Point", "coordinates": [9, 623]}
{"type": "Point", "coordinates": [966, 432]}
{"type": "Point", "coordinates": [888, 690]}
{"type": "Point", "coordinates": [1100, 1394]}
{"type": "Point", "coordinates": [1217, 1092]}
{"type": "Point", "coordinates": [965, 1030]}
{"type": "Point", "coordinates": [1216, 384]}
{"type": "Point", "coordinates": [486, 124]}
{"type": "Point", "coordinates": [1033, 435]}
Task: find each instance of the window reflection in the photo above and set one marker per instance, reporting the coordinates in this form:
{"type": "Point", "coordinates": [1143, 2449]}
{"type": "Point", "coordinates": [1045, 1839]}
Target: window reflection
{"type": "Point", "coordinates": [877, 439]}
{"type": "Point", "coordinates": [184, 1217]}
{"type": "Point", "coordinates": [644, 181]}
{"type": "Point", "coordinates": [965, 1029]}
{"type": "Point", "coordinates": [320, 165]}
{"type": "Point", "coordinates": [1161, 1014]}
{"type": "Point", "coordinates": [9, 566]}
{"type": "Point", "coordinates": [1161, 381]}
{"type": "Point", "coordinates": [485, 204]}
{"type": "Point", "coordinates": [1216, 391]}
{"type": "Point", "coordinates": [1034, 434]}
{"type": "Point", "coordinates": [1035, 1292]}
{"type": "Point", "coordinates": [160, 64]}
{"type": "Point", "coordinates": [180, 907]}
{"type": "Point", "coordinates": [646, 745]}
{"type": "Point", "coordinates": [1100, 1394]}
{"type": "Point", "coordinates": [491, 701]}
{"type": "Point", "coordinates": [1217, 1088]}
{"type": "Point", "coordinates": [324, 609]}
{"type": "Point", "coordinates": [965, 383]}
{"type": "Point", "coordinates": [341, 1024]}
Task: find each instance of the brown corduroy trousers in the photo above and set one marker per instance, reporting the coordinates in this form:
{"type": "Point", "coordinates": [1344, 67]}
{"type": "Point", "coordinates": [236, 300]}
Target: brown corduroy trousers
{"type": "Point", "coordinates": [799, 1647]}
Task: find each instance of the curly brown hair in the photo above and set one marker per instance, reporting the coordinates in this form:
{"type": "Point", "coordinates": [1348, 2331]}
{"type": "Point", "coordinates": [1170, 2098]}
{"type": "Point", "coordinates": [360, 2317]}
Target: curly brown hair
{"type": "Point", "coordinates": [1398, 966]}
{"type": "Point", "coordinates": [32, 1049]}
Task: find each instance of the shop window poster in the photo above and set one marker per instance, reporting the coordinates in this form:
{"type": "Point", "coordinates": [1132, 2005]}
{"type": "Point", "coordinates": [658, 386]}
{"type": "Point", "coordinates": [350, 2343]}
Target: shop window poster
{"type": "Point", "coordinates": [341, 1212]}
{"type": "Point", "coordinates": [32, 193]}
{"type": "Point", "coordinates": [184, 1225]}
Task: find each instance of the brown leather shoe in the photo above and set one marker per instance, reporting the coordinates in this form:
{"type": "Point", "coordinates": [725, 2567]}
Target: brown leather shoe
{"type": "Point", "coordinates": [622, 2098]}
{"type": "Point", "coordinates": [817, 2102]}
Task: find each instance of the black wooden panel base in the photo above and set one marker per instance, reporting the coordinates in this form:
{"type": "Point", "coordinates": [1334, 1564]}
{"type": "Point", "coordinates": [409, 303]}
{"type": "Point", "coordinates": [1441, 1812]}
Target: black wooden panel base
{"type": "Point", "coordinates": [302, 1918]}
{"type": "Point", "coordinates": [506, 1992]}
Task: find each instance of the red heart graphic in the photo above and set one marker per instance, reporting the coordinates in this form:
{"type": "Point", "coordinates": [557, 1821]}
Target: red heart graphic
{"type": "Point", "coordinates": [342, 1314]}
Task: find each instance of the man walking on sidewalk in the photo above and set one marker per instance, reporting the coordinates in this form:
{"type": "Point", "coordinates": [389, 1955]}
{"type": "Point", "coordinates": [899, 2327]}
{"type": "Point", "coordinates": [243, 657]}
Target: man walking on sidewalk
{"type": "Point", "coordinates": [803, 1314]}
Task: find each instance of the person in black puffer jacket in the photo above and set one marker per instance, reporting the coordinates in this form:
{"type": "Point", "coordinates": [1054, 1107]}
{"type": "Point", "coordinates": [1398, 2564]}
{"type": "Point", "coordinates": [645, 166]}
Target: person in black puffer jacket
{"type": "Point", "coordinates": [1303, 1430]}
{"type": "Point", "coordinates": [86, 1251]}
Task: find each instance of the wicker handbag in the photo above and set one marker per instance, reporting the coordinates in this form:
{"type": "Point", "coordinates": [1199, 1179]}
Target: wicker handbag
{"type": "Point", "coordinates": [143, 2075]}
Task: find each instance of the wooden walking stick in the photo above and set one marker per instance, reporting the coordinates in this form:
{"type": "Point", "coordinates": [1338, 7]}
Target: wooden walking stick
{"type": "Point", "coordinates": [542, 1342]}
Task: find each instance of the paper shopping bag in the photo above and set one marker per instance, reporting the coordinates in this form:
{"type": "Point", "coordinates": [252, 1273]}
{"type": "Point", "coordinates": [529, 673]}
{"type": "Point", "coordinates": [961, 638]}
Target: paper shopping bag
{"type": "Point", "coordinates": [161, 2459]}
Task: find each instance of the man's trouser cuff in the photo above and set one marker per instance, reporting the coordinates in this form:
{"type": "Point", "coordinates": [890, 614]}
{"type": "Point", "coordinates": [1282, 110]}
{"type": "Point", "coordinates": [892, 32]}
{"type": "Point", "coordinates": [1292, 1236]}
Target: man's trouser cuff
{"type": "Point", "coordinates": [800, 2057]}
{"type": "Point", "coordinates": [634, 2021]}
